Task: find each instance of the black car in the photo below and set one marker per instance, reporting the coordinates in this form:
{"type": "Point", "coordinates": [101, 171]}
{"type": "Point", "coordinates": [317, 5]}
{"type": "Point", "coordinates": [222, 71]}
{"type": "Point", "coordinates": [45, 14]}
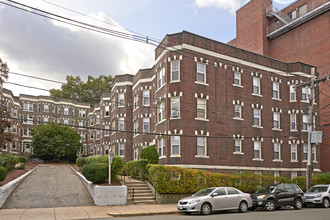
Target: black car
{"type": "Point", "coordinates": [274, 196]}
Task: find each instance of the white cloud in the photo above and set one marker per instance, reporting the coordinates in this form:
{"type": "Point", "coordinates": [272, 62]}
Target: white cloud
{"type": "Point", "coordinates": [229, 5]}
{"type": "Point", "coordinates": [284, 2]}
{"type": "Point", "coordinates": [36, 46]}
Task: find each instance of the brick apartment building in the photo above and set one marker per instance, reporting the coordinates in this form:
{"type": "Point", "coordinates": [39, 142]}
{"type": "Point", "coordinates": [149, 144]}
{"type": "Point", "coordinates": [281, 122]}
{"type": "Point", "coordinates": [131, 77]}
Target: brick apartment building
{"type": "Point", "coordinates": [205, 104]}
{"type": "Point", "coordinates": [299, 32]}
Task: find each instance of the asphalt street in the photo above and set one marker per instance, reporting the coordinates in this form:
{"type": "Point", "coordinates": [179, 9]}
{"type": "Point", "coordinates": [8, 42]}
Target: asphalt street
{"type": "Point", "coordinates": [50, 186]}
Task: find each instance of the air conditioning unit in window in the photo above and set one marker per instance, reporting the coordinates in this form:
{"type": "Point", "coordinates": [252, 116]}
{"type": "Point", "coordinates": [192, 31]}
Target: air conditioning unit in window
{"type": "Point", "coordinates": [175, 114]}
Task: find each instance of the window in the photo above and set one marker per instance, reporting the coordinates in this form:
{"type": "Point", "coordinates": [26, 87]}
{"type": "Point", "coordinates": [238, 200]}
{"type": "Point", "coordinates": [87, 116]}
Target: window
{"type": "Point", "coordinates": [106, 111]}
{"type": "Point", "coordinates": [175, 145]}
{"type": "Point", "coordinates": [305, 122]}
{"type": "Point", "coordinates": [305, 154]}
{"type": "Point", "coordinates": [58, 110]}
{"type": "Point", "coordinates": [72, 112]}
{"type": "Point", "coordinates": [26, 146]}
{"type": "Point", "coordinates": [292, 93]}
{"type": "Point", "coordinates": [136, 101]}
{"type": "Point", "coordinates": [146, 124]}
{"type": "Point", "coordinates": [232, 191]}
{"type": "Point", "coordinates": [98, 134]}
{"type": "Point", "coordinates": [14, 128]}
{"type": "Point", "coordinates": [121, 124]}
{"type": "Point", "coordinates": [14, 145]}
{"type": "Point", "coordinates": [46, 108]}
{"type": "Point", "coordinates": [293, 123]}
{"type": "Point", "coordinates": [136, 127]}
{"type": "Point", "coordinates": [277, 151]}
{"type": "Point", "coordinates": [91, 122]}
{"type": "Point", "coordinates": [106, 149]}
{"type": "Point", "coordinates": [92, 135]}
{"type": "Point", "coordinates": [237, 111]}
{"type": "Point", "coordinates": [293, 15]}
{"type": "Point", "coordinates": [161, 147]}
{"type": "Point", "coordinates": [313, 153]}
{"type": "Point", "coordinates": [91, 148]}
{"type": "Point", "coordinates": [121, 149]}
{"type": "Point", "coordinates": [113, 126]}
{"type": "Point", "coordinates": [107, 131]}
{"type": "Point", "coordinates": [276, 120]}
{"type": "Point", "coordinates": [82, 136]}
{"type": "Point", "coordinates": [161, 78]}
{"type": "Point", "coordinates": [175, 107]}
{"type": "Point", "coordinates": [15, 112]}
{"type": "Point", "coordinates": [293, 152]}
{"type": "Point", "coordinates": [201, 72]}
{"type": "Point", "coordinates": [82, 113]}
{"type": "Point", "coordinates": [28, 119]}
{"type": "Point", "coordinates": [136, 153]}
{"type": "Point", "coordinates": [121, 100]}
{"type": "Point", "coordinates": [146, 97]}
{"type": "Point", "coordinates": [97, 150]}
{"type": "Point", "coordinates": [293, 175]}
{"type": "Point", "coordinates": [256, 150]}
{"type": "Point", "coordinates": [201, 108]}
{"type": "Point", "coordinates": [28, 106]}
{"type": "Point", "coordinates": [256, 85]}
{"type": "Point", "coordinates": [201, 146]}
{"type": "Point", "coordinates": [66, 111]}
{"type": "Point", "coordinates": [161, 111]}
{"type": "Point", "coordinates": [237, 78]}
{"type": "Point", "coordinates": [305, 93]}
{"type": "Point", "coordinates": [238, 145]}
{"type": "Point", "coordinates": [46, 120]}
{"type": "Point", "coordinates": [175, 70]}
{"type": "Point", "coordinates": [256, 117]}
{"type": "Point", "coordinates": [276, 90]}
{"type": "Point", "coordinates": [98, 119]}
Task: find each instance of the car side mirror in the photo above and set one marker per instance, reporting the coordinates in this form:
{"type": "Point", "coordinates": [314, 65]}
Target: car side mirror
{"type": "Point", "coordinates": [214, 194]}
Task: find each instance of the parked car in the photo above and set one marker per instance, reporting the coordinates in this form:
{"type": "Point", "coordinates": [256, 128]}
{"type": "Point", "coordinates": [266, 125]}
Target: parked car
{"type": "Point", "coordinates": [274, 196]}
{"type": "Point", "coordinates": [318, 195]}
{"type": "Point", "coordinates": [215, 199]}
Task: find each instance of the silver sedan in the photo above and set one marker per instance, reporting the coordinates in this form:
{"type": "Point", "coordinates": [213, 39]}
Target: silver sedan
{"type": "Point", "coordinates": [215, 199]}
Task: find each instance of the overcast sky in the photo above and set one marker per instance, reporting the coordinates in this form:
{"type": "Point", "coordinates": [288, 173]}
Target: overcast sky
{"type": "Point", "coordinates": [37, 46]}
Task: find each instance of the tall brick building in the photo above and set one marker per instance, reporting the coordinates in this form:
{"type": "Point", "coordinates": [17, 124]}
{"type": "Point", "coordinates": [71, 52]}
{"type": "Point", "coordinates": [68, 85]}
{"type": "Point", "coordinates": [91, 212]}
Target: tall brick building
{"type": "Point", "coordinates": [205, 104]}
{"type": "Point", "coordinates": [299, 32]}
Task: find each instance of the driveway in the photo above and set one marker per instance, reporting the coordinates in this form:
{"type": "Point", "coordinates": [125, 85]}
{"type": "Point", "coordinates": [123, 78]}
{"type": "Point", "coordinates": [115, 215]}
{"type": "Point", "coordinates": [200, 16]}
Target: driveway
{"type": "Point", "coordinates": [50, 186]}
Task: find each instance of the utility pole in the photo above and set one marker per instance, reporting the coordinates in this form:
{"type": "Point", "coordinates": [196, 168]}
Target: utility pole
{"type": "Point", "coordinates": [311, 84]}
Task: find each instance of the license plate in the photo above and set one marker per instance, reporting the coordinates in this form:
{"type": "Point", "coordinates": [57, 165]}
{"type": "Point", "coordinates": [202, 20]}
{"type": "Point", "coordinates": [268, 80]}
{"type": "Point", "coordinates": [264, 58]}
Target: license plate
{"type": "Point", "coordinates": [180, 207]}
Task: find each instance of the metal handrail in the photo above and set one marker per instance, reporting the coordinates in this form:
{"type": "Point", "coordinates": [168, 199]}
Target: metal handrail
{"type": "Point", "coordinates": [145, 173]}
{"type": "Point", "coordinates": [129, 179]}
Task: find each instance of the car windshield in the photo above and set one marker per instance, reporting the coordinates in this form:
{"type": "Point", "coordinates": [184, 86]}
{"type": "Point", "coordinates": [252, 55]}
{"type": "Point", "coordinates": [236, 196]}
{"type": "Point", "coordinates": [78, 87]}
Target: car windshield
{"type": "Point", "coordinates": [318, 189]}
{"type": "Point", "coordinates": [204, 192]}
{"type": "Point", "coordinates": [266, 189]}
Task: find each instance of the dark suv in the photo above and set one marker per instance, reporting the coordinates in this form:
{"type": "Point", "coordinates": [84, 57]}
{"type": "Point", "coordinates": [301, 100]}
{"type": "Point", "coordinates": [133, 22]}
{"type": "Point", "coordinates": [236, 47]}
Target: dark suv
{"type": "Point", "coordinates": [274, 196]}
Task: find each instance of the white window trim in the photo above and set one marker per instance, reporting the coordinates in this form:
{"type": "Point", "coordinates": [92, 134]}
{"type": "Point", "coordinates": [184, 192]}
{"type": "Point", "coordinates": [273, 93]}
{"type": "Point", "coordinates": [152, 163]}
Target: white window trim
{"type": "Point", "coordinates": [206, 150]}
{"type": "Point", "coordinates": [179, 78]}
{"type": "Point", "coordinates": [175, 155]}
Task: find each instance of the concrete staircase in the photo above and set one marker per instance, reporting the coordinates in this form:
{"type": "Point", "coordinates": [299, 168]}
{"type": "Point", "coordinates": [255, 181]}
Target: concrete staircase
{"type": "Point", "coordinates": [142, 193]}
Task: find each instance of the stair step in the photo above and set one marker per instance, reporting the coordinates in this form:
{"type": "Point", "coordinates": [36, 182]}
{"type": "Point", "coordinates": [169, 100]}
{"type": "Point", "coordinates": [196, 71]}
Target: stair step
{"type": "Point", "coordinates": [145, 202]}
{"type": "Point", "coordinates": [143, 195]}
{"type": "Point", "coordinates": [139, 190]}
{"type": "Point", "coordinates": [143, 198]}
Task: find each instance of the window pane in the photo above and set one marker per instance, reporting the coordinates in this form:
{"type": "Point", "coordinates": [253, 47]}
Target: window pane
{"type": "Point", "coordinates": [175, 70]}
{"type": "Point", "coordinates": [201, 72]}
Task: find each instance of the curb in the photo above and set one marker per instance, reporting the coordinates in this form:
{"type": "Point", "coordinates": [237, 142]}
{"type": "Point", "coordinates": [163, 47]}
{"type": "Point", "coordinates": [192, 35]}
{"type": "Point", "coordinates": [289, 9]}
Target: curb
{"type": "Point", "coordinates": [141, 214]}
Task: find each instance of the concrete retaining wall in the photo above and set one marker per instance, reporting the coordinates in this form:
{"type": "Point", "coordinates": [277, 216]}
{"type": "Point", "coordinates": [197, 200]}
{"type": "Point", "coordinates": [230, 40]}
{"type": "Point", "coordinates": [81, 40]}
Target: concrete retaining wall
{"type": "Point", "coordinates": [6, 190]}
{"type": "Point", "coordinates": [105, 195]}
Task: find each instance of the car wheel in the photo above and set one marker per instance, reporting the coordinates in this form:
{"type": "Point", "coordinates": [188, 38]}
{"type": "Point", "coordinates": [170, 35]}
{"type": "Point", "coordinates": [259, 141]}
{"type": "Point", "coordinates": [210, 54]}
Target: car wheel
{"type": "Point", "coordinates": [243, 207]}
{"type": "Point", "coordinates": [206, 209]}
{"type": "Point", "coordinates": [298, 204]}
{"type": "Point", "coordinates": [325, 203]}
{"type": "Point", "coordinates": [270, 205]}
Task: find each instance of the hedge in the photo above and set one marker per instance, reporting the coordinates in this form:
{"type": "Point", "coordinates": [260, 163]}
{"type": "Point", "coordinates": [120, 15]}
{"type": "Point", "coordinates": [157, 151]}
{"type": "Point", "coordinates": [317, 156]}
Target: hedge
{"type": "Point", "coordinates": [322, 178]}
{"type": "Point", "coordinates": [116, 166]}
{"type": "Point", "coordinates": [3, 173]}
{"type": "Point", "coordinates": [176, 180]}
{"type": "Point", "coordinates": [96, 172]}
{"type": "Point", "coordinates": [137, 168]}
{"type": "Point", "coordinates": [8, 161]}
{"type": "Point", "coordinates": [150, 153]}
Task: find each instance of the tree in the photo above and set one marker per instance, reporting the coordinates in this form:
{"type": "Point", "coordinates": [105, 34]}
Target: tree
{"type": "Point", "coordinates": [4, 115]}
{"type": "Point", "coordinates": [55, 142]}
{"type": "Point", "coordinates": [80, 91]}
{"type": "Point", "coordinates": [150, 153]}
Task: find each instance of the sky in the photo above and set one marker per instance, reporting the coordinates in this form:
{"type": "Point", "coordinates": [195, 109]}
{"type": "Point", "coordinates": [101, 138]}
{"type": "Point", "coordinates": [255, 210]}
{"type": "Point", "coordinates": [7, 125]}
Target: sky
{"type": "Point", "coordinates": [37, 46]}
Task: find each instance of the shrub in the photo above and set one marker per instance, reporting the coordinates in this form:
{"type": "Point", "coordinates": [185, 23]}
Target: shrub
{"type": "Point", "coordinates": [116, 166]}
{"type": "Point", "coordinates": [96, 172]}
{"type": "Point", "coordinates": [3, 173]}
{"type": "Point", "coordinates": [7, 161]}
{"type": "Point", "coordinates": [21, 161]}
{"type": "Point", "coordinates": [150, 153]}
{"type": "Point", "coordinates": [137, 168]}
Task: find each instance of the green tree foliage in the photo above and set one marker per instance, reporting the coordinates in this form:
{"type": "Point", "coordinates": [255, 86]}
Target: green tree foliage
{"type": "Point", "coordinates": [80, 91]}
{"type": "Point", "coordinates": [4, 122]}
{"type": "Point", "coordinates": [3, 173]}
{"type": "Point", "coordinates": [55, 141]}
{"type": "Point", "coordinates": [150, 153]}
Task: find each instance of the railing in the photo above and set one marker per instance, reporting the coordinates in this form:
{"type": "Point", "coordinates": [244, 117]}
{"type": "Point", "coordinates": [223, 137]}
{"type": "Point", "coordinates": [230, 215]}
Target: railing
{"type": "Point", "coordinates": [276, 25]}
{"type": "Point", "coordinates": [145, 173]}
{"type": "Point", "coordinates": [129, 179]}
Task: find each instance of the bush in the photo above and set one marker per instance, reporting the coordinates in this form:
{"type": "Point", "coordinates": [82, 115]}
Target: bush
{"type": "Point", "coordinates": [21, 161]}
{"type": "Point", "coordinates": [96, 172]}
{"type": "Point", "coordinates": [116, 166]}
{"type": "Point", "coordinates": [150, 153]}
{"type": "Point", "coordinates": [137, 168]}
{"type": "Point", "coordinates": [7, 161]}
{"type": "Point", "coordinates": [3, 173]}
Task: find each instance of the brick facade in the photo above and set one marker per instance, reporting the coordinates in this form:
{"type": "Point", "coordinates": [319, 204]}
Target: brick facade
{"type": "Point", "coordinates": [306, 39]}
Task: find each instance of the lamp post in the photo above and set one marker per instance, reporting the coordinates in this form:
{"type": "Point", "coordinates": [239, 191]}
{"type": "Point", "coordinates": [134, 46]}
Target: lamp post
{"type": "Point", "coordinates": [110, 162]}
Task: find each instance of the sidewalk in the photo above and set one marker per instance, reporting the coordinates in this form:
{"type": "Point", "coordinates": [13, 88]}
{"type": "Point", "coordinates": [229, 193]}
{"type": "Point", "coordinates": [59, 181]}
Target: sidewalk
{"type": "Point", "coordinates": [86, 212]}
